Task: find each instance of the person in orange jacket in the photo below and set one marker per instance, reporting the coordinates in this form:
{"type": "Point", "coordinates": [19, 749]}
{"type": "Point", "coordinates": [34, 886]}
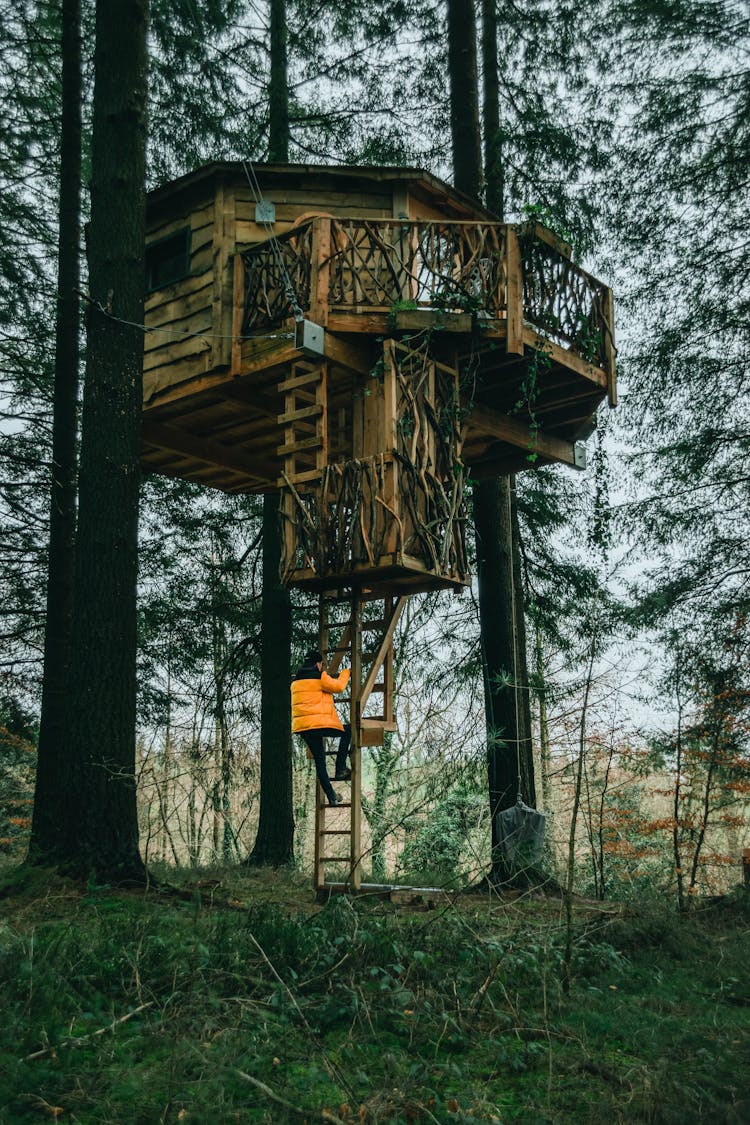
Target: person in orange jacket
{"type": "Point", "coordinates": [314, 718]}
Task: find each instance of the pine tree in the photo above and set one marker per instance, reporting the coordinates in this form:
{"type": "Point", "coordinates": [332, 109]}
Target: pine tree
{"type": "Point", "coordinates": [99, 829]}
{"type": "Point", "coordinates": [678, 208]}
{"type": "Point", "coordinates": [274, 842]}
{"type": "Point", "coordinates": [61, 557]}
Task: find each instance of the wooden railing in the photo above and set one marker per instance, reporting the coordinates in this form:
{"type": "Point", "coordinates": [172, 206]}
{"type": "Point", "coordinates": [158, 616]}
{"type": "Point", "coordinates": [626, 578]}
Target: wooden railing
{"type": "Point", "coordinates": [563, 302]}
{"type": "Point", "coordinates": [492, 270]}
{"type": "Point", "coordinates": [276, 274]}
{"type": "Point", "coordinates": [404, 499]}
{"type": "Point", "coordinates": [455, 266]}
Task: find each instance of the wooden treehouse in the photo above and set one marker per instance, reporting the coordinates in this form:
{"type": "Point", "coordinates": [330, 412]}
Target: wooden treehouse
{"type": "Point", "coordinates": [361, 340]}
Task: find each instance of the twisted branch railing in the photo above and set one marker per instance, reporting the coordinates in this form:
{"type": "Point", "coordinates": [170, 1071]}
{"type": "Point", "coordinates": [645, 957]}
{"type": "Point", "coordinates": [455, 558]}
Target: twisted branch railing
{"type": "Point", "coordinates": [564, 302]}
{"type": "Point", "coordinates": [275, 272]}
{"type": "Point", "coordinates": [430, 264]}
{"type": "Point", "coordinates": [403, 501]}
{"type": "Point", "coordinates": [381, 263]}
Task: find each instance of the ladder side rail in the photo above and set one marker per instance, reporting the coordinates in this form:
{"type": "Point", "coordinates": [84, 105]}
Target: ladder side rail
{"type": "Point", "coordinates": [355, 711]}
{"type": "Point", "coordinates": [320, 798]}
{"type": "Point", "coordinates": [385, 647]}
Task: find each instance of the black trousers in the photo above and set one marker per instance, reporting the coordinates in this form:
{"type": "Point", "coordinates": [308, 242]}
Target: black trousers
{"type": "Point", "coordinates": [315, 742]}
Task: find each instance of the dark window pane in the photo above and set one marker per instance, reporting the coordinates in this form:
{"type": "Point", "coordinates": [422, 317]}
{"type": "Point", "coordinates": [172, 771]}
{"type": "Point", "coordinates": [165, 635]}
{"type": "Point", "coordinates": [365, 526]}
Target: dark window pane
{"type": "Point", "coordinates": [168, 259]}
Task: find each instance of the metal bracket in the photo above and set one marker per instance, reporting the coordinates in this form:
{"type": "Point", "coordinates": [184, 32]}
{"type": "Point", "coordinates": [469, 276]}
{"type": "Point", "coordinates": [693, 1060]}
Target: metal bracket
{"type": "Point", "coordinates": [265, 212]}
{"type": "Point", "coordinates": [309, 337]}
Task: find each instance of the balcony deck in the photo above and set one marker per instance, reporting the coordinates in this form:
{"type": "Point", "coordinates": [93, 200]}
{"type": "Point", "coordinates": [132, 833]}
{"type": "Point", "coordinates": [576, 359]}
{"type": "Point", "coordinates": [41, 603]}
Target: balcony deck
{"type": "Point", "coordinates": [530, 331]}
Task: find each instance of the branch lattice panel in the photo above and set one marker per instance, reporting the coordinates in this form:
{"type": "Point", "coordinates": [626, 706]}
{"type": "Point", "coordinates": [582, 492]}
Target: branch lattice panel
{"type": "Point", "coordinates": [407, 500]}
{"type": "Point", "coordinates": [433, 264]}
{"type": "Point", "coordinates": [275, 272]}
{"type": "Point", "coordinates": [563, 301]}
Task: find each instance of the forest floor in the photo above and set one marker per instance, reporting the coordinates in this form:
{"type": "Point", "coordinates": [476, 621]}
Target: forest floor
{"type": "Point", "coordinates": [241, 999]}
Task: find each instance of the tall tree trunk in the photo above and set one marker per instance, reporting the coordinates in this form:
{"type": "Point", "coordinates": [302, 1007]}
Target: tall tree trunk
{"type": "Point", "coordinates": [45, 827]}
{"type": "Point", "coordinates": [492, 521]}
{"type": "Point", "coordinates": [521, 664]}
{"type": "Point", "coordinates": [495, 188]}
{"type": "Point", "coordinates": [99, 814]}
{"type": "Point", "coordinates": [493, 517]}
{"type": "Point", "coordinates": [274, 842]}
{"type": "Point", "coordinates": [278, 93]}
{"type": "Point", "coordinates": [464, 98]}
{"type": "Point", "coordinates": [493, 151]}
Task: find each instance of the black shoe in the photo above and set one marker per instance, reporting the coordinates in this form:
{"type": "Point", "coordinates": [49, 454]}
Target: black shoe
{"type": "Point", "coordinates": [343, 775]}
{"type": "Point", "coordinates": [335, 799]}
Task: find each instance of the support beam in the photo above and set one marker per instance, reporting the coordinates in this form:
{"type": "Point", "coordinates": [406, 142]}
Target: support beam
{"type": "Point", "coordinates": [206, 450]}
{"type": "Point", "coordinates": [515, 432]}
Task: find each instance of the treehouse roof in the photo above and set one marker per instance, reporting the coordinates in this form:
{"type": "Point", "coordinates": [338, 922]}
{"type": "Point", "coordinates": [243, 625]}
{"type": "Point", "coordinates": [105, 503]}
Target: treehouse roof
{"type": "Point", "coordinates": [318, 179]}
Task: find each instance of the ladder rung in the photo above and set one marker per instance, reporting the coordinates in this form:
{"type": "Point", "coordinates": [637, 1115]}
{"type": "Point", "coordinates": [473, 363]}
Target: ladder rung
{"type": "Point", "coordinates": [299, 478]}
{"type": "Point", "coordinates": [301, 428]}
{"type": "Point", "coordinates": [300, 412]}
{"type": "Point", "coordinates": [302, 396]}
{"type": "Point", "coordinates": [307, 443]}
{"type": "Point", "coordinates": [335, 859]}
{"type": "Point", "coordinates": [300, 380]}
{"type": "Point", "coordinates": [340, 805]}
{"type": "Point", "coordinates": [335, 832]}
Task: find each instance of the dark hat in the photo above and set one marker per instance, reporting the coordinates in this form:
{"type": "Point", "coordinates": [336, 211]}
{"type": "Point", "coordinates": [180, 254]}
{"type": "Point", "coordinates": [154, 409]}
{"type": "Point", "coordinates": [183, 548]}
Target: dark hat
{"type": "Point", "coordinates": [312, 656]}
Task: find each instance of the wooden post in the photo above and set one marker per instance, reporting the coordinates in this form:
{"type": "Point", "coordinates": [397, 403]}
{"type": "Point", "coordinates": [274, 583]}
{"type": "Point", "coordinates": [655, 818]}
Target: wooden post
{"type": "Point", "coordinates": [355, 712]}
{"type": "Point", "coordinates": [394, 611]}
{"type": "Point", "coordinates": [320, 271]}
{"type": "Point", "coordinates": [514, 292]}
{"type": "Point", "coordinates": [238, 310]}
{"type": "Point", "coordinates": [320, 798]}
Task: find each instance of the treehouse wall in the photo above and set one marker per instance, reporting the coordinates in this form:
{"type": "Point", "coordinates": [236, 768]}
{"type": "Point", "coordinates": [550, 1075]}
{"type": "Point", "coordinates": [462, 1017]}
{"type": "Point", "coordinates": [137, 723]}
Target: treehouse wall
{"type": "Point", "coordinates": [220, 221]}
{"type": "Point", "coordinates": [183, 307]}
{"type": "Point", "coordinates": [374, 255]}
{"type": "Point", "coordinates": [194, 313]}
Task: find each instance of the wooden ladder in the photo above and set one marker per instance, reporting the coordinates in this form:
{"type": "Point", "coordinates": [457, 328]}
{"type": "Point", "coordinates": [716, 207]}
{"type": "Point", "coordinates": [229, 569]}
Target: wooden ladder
{"type": "Point", "coordinates": [305, 448]}
{"type": "Point", "coordinates": [363, 638]}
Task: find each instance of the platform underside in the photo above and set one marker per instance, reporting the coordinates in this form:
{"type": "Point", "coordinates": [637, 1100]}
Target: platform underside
{"type": "Point", "coordinates": [221, 428]}
{"type": "Point", "coordinates": [395, 574]}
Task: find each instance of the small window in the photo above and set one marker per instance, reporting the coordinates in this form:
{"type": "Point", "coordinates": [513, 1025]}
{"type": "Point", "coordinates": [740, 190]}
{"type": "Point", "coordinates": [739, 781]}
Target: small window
{"type": "Point", "coordinates": [168, 259]}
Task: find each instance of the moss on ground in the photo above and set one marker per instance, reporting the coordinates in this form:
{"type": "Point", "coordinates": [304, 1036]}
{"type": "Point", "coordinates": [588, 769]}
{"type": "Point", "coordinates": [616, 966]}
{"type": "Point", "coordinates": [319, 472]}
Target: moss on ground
{"type": "Point", "coordinates": [240, 999]}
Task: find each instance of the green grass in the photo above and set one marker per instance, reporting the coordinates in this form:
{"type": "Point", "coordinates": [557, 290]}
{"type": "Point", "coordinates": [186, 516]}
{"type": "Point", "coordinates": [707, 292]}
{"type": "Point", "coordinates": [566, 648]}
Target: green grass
{"type": "Point", "coordinates": [276, 1010]}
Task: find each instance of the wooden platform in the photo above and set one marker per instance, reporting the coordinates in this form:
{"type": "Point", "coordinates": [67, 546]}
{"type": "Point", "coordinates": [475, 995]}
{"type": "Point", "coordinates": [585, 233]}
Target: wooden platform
{"type": "Point", "coordinates": [397, 574]}
{"type": "Point", "coordinates": [535, 348]}
{"type": "Point", "coordinates": [400, 895]}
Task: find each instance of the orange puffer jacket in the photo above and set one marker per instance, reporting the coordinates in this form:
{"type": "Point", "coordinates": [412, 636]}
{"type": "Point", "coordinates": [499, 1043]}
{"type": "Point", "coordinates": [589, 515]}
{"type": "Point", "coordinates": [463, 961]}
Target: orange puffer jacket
{"type": "Point", "coordinates": [312, 702]}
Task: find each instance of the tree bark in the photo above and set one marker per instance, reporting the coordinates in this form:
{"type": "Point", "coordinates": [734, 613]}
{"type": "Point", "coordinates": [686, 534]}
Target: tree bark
{"type": "Point", "coordinates": [464, 98]}
{"type": "Point", "coordinates": [521, 663]}
{"type": "Point", "coordinates": [493, 151]}
{"type": "Point", "coordinates": [45, 828]}
{"type": "Point", "coordinates": [502, 641]}
{"type": "Point", "coordinates": [274, 843]}
{"type": "Point", "coordinates": [278, 93]}
{"type": "Point", "coordinates": [98, 812]}
{"type": "Point", "coordinates": [492, 522]}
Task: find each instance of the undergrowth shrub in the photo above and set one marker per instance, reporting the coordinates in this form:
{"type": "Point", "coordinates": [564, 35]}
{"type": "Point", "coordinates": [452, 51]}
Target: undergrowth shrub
{"type": "Point", "coordinates": [357, 1004]}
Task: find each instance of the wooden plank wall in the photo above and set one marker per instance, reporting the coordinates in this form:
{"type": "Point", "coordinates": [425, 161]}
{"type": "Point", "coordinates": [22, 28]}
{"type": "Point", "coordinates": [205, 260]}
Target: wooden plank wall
{"type": "Point", "coordinates": [184, 308]}
{"type": "Point", "coordinates": [197, 310]}
{"type": "Point", "coordinates": [293, 202]}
